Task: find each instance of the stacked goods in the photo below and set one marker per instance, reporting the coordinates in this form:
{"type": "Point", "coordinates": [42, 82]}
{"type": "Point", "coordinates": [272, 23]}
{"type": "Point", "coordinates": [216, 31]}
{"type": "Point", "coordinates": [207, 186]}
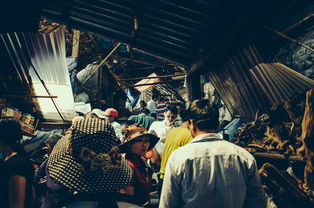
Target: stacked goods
{"type": "Point", "coordinates": [283, 189]}
{"type": "Point", "coordinates": [286, 133]}
{"type": "Point", "coordinates": [11, 113]}
{"type": "Point", "coordinates": [308, 141]}
{"type": "Point", "coordinates": [27, 121]}
{"type": "Point", "coordinates": [279, 131]}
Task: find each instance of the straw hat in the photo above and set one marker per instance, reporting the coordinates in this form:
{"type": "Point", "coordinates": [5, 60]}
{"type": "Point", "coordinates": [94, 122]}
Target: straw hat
{"type": "Point", "coordinates": [133, 133]}
{"type": "Point", "coordinates": [88, 160]}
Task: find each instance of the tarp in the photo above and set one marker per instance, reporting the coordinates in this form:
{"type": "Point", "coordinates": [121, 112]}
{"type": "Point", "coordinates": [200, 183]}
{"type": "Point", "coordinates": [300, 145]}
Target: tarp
{"type": "Point", "coordinates": [147, 81]}
{"type": "Point", "coordinates": [133, 96]}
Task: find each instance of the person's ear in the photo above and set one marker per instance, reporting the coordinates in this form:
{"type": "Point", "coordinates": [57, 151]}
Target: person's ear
{"type": "Point", "coordinates": [190, 124]}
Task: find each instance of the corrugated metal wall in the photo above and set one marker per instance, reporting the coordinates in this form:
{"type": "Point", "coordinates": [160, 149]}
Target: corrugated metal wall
{"type": "Point", "coordinates": [247, 85]}
{"type": "Point", "coordinates": [45, 53]}
{"type": "Point", "coordinates": [279, 82]}
{"type": "Point", "coordinates": [235, 85]}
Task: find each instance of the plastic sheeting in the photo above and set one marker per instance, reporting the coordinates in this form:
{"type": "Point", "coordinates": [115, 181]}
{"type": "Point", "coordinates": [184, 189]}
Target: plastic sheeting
{"type": "Point", "coordinates": [147, 81]}
{"type": "Point", "coordinates": [133, 95]}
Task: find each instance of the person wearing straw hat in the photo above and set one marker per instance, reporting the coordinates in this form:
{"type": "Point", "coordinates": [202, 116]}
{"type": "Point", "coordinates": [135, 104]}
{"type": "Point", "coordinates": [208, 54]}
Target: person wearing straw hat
{"type": "Point", "coordinates": [87, 161]}
{"type": "Point", "coordinates": [138, 141]}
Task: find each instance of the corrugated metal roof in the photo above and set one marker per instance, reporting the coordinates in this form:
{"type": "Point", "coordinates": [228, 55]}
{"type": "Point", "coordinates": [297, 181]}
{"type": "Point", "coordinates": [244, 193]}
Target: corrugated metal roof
{"type": "Point", "coordinates": [173, 29]}
{"type": "Point", "coordinates": [180, 30]}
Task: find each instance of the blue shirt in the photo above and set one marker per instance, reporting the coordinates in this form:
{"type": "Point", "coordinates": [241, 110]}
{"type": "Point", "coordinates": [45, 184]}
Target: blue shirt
{"type": "Point", "coordinates": [211, 172]}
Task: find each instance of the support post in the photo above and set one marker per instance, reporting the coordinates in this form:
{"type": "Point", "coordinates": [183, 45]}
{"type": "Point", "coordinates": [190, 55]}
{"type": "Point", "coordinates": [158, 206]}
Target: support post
{"type": "Point", "coordinates": [193, 86]}
{"type": "Point", "coordinates": [76, 43]}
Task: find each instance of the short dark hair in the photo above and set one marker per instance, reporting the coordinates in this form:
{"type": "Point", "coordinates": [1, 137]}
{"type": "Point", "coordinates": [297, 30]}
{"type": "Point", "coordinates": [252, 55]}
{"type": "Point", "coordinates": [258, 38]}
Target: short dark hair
{"type": "Point", "coordinates": [172, 109]}
{"type": "Point", "coordinates": [143, 102]}
{"type": "Point", "coordinates": [154, 96]}
{"type": "Point", "coordinates": [10, 131]}
{"type": "Point", "coordinates": [146, 111]}
{"type": "Point", "coordinates": [204, 114]}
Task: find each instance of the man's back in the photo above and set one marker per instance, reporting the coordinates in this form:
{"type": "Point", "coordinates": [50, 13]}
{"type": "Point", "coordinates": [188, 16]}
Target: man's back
{"type": "Point", "coordinates": [211, 172]}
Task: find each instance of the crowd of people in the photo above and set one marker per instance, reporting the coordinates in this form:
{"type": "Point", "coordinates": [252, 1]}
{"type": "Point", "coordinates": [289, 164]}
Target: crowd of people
{"type": "Point", "coordinates": [101, 161]}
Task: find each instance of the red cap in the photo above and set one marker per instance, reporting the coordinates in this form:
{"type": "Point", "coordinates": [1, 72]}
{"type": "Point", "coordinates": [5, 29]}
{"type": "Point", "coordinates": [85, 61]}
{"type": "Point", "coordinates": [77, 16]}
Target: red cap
{"type": "Point", "coordinates": [111, 112]}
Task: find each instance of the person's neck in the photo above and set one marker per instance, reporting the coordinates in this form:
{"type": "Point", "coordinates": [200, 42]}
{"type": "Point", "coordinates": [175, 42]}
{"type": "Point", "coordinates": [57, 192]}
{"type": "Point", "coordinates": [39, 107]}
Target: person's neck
{"type": "Point", "coordinates": [185, 124]}
{"type": "Point", "coordinates": [168, 123]}
{"type": "Point", "coordinates": [133, 155]}
{"type": "Point", "coordinates": [198, 133]}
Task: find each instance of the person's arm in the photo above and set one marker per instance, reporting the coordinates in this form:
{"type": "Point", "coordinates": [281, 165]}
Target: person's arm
{"type": "Point", "coordinates": [151, 129]}
{"type": "Point", "coordinates": [17, 189]}
{"type": "Point", "coordinates": [171, 194]}
{"type": "Point", "coordinates": [255, 196]}
{"type": "Point", "coordinates": [117, 130]}
{"type": "Point", "coordinates": [127, 190]}
{"type": "Point", "coordinates": [41, 172]}
{"type": "Point", "coordinates": [155, 159]}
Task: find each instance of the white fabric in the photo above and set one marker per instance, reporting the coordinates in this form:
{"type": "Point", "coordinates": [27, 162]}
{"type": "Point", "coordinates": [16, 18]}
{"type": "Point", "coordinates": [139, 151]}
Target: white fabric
{"type": "Point", "coordinates": [211, 172]}
{"type": "Point", "coordinates": [152, 106]}
{"type": "Point", "coordinates": [160, 129]}
{"type": "Point", "coordinates": [117, 129]}
{"type": "Point", "coordinates": [82, 107]}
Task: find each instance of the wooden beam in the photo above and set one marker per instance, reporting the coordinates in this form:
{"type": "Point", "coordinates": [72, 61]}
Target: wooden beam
{"type": "Point", "coordinates": [34, 96]}
{"type": "Point", "coordinates": [161, 76]}
{"type": "Point", "coordinates": [139, 61]}
{"type": "Point", "coordinates": [278, 156]}
{"type": "Point", "coordinates": [75, 43]}
{"type": "Point", "coordinates": [156, 56]}
{"type": "Point", "coordinates": [289, 38]}
{"type": "Point", "coordinates": [193, 87]}
{"type": "Point", "coordinates": [55, 123]}
{"type": "Point", "coordinates": [202, 63]}
{"type": "Point", "coordinates": [103, 61]}
{"type": "Point", "coordinates": [304, 19]}
{"type": "Point", "coordinates": [175, 92]}
{"type": "Point", "coordinates": [151, 83]}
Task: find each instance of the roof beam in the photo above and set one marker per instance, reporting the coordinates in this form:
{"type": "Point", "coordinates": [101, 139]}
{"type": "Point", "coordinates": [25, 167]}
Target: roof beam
{"type": "Point", "coordinates": [175, 92]}
{"type": "Point", "coordinates": [138, 61]}
{"type": "Point", "coordinates": [201, 63]}
{"type": "Point", "coordinates": [158, 57]}
{"type": "Point", "coordinates": [161, 76]}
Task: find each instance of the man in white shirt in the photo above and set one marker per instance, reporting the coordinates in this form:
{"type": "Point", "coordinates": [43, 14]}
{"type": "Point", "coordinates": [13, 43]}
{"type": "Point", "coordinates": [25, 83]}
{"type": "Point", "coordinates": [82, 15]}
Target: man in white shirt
{"type": "Point", "coordinates": [209, 171]}
{"type": "Point", "coordinates": [161, 128]}
{"type": "Point", "coordinates": [152, 105]}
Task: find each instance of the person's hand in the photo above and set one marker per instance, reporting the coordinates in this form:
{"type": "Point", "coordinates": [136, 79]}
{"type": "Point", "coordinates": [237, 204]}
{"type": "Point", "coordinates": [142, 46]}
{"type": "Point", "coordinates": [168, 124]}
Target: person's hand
{"type": "Point", "coordinates": [163, 140]}
{"type": "Point", "coordinates": [69, 131]}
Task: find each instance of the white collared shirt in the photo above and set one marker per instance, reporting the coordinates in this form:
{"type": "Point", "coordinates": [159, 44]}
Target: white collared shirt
{"type": "Point", "coordinates": [117, 129]}
{"type": "Point", "coordinates": [152, 106]}
{"type": "Point", "coordinates": [160, 129]}
{"type": "Point", "coordinates": [211, 172]}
